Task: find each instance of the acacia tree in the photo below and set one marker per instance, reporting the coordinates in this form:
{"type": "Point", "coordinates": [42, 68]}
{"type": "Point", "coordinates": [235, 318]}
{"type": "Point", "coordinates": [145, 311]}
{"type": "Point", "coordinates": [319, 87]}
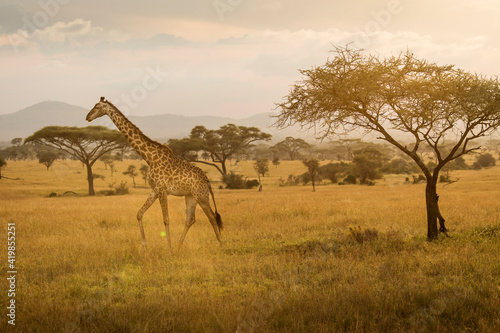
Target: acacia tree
{"type": "Point", "coordinates": [400, 94]}
{"type": "Point", "coordinates": [291, 147]}
{"type": "Point", "coordinates": [313, 168]}
{"type": "Point", "coordinates": [86, 144]}
{"type": "Point", "coordinates": [367, 163]}
{"type": "Point", "coordinates": [16, 141]}
{"type": "Point", "coordinates": [47, 157]}
{"type": "Point", "coordinates": [144, 172]}
{"type": "Point", "coordinates": [261, 166]}
{"type": "Point", "coordinates": [221, 145]}
{"type": "Point", "coordinates": [2, 164]}
{"type": "Point", "coordinates": [131, 172]}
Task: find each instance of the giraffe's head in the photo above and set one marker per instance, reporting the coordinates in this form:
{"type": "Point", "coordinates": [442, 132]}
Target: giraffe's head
{"type": "Point", "coordinates": [99, 110]}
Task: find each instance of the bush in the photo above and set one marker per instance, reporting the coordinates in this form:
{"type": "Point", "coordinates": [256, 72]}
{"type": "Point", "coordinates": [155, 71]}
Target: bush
{"type": "Point", "coordinates": [234, 181]}
{"type": "Point", "coordinates": [331, 171]}
{"type": "Point", "coordinates": [444, 178]}
{"type": "Point", "coordinates": [350, 179]}
{"type": "Point", "coordinates": [252, 183]}
{"type": "Point", "coordinates": [122, 188]}
{"type": "Point", "coordinates": [419, 179]}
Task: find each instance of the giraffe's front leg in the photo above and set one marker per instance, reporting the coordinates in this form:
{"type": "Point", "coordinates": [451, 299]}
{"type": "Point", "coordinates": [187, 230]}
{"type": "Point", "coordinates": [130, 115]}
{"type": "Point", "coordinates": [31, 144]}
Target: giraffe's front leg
{"type": "Point", "coordinates": [166, 221]}
{"type": "Point", "coordinates": [151, 199]}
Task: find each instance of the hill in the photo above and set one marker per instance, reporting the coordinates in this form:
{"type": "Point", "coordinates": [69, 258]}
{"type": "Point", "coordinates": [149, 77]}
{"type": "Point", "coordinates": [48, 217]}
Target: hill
{"type": "Point", "coordinates": [161, 127]}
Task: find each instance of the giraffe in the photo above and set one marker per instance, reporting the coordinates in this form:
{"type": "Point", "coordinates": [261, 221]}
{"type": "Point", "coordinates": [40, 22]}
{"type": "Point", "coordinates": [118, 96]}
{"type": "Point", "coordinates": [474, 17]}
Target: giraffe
{"type": "Point", "coordinates": [168, 175]}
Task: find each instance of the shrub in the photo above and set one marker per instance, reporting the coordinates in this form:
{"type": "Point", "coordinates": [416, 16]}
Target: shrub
{"type": "Point", "coordinates": [234, 181]}
{"type": "Point", "coordinates": [350, 179]}
{"type": "Point", "coordinates": [419, 179]}
{"type": "Point", "coordinates": [362, 236]}
{"type": "Point", "coordinates": [444, 178]}
{"type": "Point", "coordinates": [122, 188]}
{"type": "Point", "coordinates": [252, 183]}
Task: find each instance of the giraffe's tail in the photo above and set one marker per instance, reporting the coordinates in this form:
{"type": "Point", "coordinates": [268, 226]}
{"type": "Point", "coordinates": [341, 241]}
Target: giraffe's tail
{"type": "Point", "coordinates": [218, 218]}
{"type": "Point", "coordinates": [219, 221]}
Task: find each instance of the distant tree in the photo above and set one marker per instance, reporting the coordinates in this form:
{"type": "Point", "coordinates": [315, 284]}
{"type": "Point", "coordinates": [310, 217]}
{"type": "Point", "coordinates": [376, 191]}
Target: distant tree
{"type": "Point", "coordinates": [458, 164]}
{"type": "Point", "coordinates": [16, 141]}
{"type": "Point", "coordinates": [112, 168]}
{"type": "Point", "coordinates": [47, 157]}
{"type": "Point", "coordinates": [86, 144]}
{"type": "Point", "coordinates": [260, 151]}
{"type": "Point", "coordinates": [485, 160]}
{"type": "Point", "coordinates": [144, 171]}
{"type": "Point", "coordinates": [291, 147]}
{"type": "Point", "coordinates": [399, 165]}
{"type": "Point", "coordinates": [184, 148]}
{"type": "Point", "coordinates": [367, 164]}
{"type": "Point", "coordinates": [15, 153]}
{"type": "Point", "coordinates": [312, 168]}
{"type": "Point", "coordinates": [261, 167]}
{"type": "Point", "coordinates": [107, 159]}
{"type": "Point", "coordinates": [222, 144]}
{"type": "Point", "coordinates": [355, 92]}
{"type": "Point", "coordinates": [131, 172]}
{"type": "Point", "coordinates": [276, 161]}
{"type": "Point", "coordinates": [332, 171]}
{"type": "Point", "coordinates": [2, 164]}
{"type": "Point", "coordinates": [349, 146]}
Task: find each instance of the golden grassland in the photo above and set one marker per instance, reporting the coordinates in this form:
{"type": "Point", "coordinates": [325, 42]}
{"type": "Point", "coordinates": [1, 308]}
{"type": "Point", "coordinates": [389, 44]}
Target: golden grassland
{"type": "Point", "coordinates": [344, 258]}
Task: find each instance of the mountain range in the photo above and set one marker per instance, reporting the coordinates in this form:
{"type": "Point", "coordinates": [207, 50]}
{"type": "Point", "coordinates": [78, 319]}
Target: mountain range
{"type": "Point", "coordinates": [162, 127]}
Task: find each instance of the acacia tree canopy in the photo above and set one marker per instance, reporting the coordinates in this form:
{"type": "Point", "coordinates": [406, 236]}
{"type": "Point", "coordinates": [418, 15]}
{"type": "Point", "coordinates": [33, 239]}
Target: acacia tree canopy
{"type": "Point", "coordinates": [87, 144]}
{"type": "Point", "coordinates": [426, 102]}
{"type": "Point", "coordinates": [291, 146]}
{"type": "Point", "coordinates": [221, 144]}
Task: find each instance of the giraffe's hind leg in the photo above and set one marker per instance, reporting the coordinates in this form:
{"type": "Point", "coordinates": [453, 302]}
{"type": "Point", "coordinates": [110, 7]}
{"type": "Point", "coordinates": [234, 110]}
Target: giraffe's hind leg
{"type": "Point", "coordinates": [151, 199]}
{"type": "Point", "coordinates": [205, 205]}
{"type": "Point", "coordinates": [190, 217]}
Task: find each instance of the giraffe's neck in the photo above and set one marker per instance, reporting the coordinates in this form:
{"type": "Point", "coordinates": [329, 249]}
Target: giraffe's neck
{"type": "Point", "coordinates": [143, 145]}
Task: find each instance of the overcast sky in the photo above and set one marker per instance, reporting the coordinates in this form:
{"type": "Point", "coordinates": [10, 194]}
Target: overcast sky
{"type": "Point", "coordinates": [218, 57]}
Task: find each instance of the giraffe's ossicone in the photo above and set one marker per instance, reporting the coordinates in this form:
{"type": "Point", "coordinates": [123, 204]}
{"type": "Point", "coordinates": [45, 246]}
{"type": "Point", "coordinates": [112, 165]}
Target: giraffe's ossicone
{"type": "Point", "coordinates": [168, 175]}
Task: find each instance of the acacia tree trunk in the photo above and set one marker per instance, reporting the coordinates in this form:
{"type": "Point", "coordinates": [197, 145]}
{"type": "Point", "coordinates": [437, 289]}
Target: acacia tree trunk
{"type": "Point", "coordinates": [431, 198]}
{"type": "Point", "coordinates": [433, 212]}
{"type": "Point", "coordinates": [432, 208]}
{"type": "Point", "coordinates": [223, 165]}
{"type": "Point", "coordinates": [90, 178]}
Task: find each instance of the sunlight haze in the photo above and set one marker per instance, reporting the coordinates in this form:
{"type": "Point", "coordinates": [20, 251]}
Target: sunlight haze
{"type": "Point", "coordinates": [217, 57]}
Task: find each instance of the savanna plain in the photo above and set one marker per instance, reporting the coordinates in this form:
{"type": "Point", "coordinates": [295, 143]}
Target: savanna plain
{"type": "Point", "coordinates": [341, 259]}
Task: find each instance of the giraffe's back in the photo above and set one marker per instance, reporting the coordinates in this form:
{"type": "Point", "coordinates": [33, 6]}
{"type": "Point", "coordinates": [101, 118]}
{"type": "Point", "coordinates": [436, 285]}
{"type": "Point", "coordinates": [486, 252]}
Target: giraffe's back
{"type": "Point", "coordinates": [179, 178]}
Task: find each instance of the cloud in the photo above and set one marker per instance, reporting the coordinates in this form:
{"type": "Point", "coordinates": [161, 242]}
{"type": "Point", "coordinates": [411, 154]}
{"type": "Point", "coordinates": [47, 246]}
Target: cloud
{"type": "Point", "coordinates": [78, 32]}
{"type": "Point", "coordinates": [244, 73]}
{"type": "Point", "coordinates": [74, 32]}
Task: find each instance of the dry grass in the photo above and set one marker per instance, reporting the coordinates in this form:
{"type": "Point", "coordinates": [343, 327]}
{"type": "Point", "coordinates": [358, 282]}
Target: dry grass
{"type": "Point", "coordinates": [345, 258]}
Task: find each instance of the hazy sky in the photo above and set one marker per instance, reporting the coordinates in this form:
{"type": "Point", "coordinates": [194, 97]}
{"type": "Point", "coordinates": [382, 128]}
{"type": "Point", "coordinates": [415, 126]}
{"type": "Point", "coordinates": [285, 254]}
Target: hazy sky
{"type": "Point", "coordinates": [218, 57]}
